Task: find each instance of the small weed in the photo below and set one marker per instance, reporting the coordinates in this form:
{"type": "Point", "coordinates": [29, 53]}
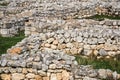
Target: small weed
{"type": "Point", "coordinates": [98, 64]}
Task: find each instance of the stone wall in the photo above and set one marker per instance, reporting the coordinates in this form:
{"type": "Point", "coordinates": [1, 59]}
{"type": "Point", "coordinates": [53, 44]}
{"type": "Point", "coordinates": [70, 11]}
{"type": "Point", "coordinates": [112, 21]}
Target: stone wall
{"type": "Point", "coordinates": [39, 25]}
{"type": "Point", "coordinates": [49, 65]}
{"type": "Point", "coordinates": [50, 9]}
{"type": "Point", "coordinates": [55, 33]}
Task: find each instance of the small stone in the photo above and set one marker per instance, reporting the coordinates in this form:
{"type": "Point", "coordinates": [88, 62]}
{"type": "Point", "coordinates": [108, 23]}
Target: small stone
{"type": "Point", "coordinates": [15, 50]}
{"type": "Point", "coordinates": [3, 62]}
{"type": "Point", "coordinates": [42, 73]}
{"type": "Point", "coordinates": [24, 70]}
{"type": "Point", "coordinates": [102, 52]}
{"type": "Point", "coordinates": [87, 52]}
{"type": "Point", "coordinates": [18, 76]}
{"type": "Point", "coordinates": [74, 51]}
{"type": "Point", "coordinates": [65, 75]}
{"type": "Point", "coordinates": [99, 46]}
{"type": "Point", "coordinates": [92, 46]}
{"type": "Point", "coordinates": [44, 67]}
{"type": "Point", "coordinates": [69, 45]}
{"type": "Point", "coordinates": [45, 78]}
{"type": "Point", "coordinates": [80, 50]}
{"type": "Point", "coordinates": [115, 75]}
{"type": "Point", "coordinates": [59, 76]}
{"type": "Point", "coordinates": [67, 51]}
{"type": "Point", "coordinates": [53, 77]}
{"type": "Point", "coordinates": [95, 52]}
{"type": "Point", "coordinates": [92, 41]}
{"type": "Point", "coordinates": [111, 53]}
{"type": "Point", "coordinates": [37, 77]}
{"type": "Point", "coordinates": [47, 45]}
{"type": "Point", "coordinates": [76, 44]}
{"type": "Point", "coordinates": [30, 75]}
{"type": "Point", "coordinates": [37, 58]}
{"type": "Point", "coordinates": [5, 77]}
{"type": "Point", "coordinates": [55, 42]}
{"type": "Point", "coordinates": [61, 46]}
{"type": "Point", "coordinates": [52, 66]}
{"type": "Point", "coordinates": [19, 70]}
{"type": "Point", "coordinates": [101, 40]}
{"type": "Point", "coordinates": [50, 40]}
{"type": "Point", "coordinates": [79, 39]}
{"type": "Point", "coordinates": [102, 73]}
{"type": "Point", "coordinates": [67, 35]}
{"type": "Point", "coordinates": [37, 65]}
{"type": "Point", "coordinates": [53, 47]}
{"type": "Point", "coordinates": [86, 46]}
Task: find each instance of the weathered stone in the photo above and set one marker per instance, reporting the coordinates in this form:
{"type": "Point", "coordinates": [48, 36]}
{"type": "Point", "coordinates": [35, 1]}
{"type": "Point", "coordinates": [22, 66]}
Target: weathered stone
{"type": "Point", "coordinates": [53, 47]}
{"type": "Point", "coordinates": [47, 45]}
{"type": "Point", "coordinates": [42, 73]}
{"type": "Point", "coordinates": [95, 52]}
{"type": "Point", "coordinates": [5, 77]}
{"type": "Point", "coordinates": [52, 66]}
{"type": "Point", "coordinates": [55, 42]}
{"type": "Point", "coordinates": [18, 76]}
{"type": "Point", "coordinates": [37, 77]}
{"type": "Point", "coordinates": [102, 52]}
{"type": "Point", "coordinates": [79, 39]}
{"type": "Point", "coordinates": [112, 53]}
{"type": "Point", "coordinates": [86, 46]}
{"type": "Point", "coordinates": [15, 50]}
{"type": "Point", "coordinates": [24, 70]}
{"type": "Point", "coordinates": [74, 51]}
{"type": "Point", "coordinates": [69, 45]}
{"type": "Point", "coordinates": [46, 78]}
{"type": "Point", "coordinates": [4, 62]}
{"type": "Point", "coordinates": [102, 73]}
{"type": "Point", "coordinates": [59, 76]}
{"type": "Point", "coordinates": [65, 75]}
{"type": "Point", "coordinates": [61, 46]}
{"type": "Point", "coordinates": [53, 77]}
{"type": "Point", "coordinates": [44, 67]}
{"type": "Point", "coordinates": [30, 75]}
{"type": "Point", "coordinates": [50, 40]}
{"type": "Point", "coordinates": [37, 58]}
{"type": "Point", "coordinates": [37, 65]}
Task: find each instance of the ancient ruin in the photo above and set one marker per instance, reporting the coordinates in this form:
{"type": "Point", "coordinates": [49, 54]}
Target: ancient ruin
{"type": "Point", "coordinates": [55, 31]}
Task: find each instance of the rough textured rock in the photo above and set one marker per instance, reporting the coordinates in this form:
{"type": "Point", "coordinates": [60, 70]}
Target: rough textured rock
{"type": "Point", "coordinates": [18, 76]}
{"type": "Point", "coordinates": [56, 31]}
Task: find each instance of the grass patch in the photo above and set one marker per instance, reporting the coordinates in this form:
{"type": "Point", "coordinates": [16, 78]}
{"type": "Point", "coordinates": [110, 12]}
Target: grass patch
{"type": "Point", "coordinates": [100, 64]}
{"type": "Point", "coordinates": [7, 42]}
{"type": "Point", "coordinates": [102, 17]}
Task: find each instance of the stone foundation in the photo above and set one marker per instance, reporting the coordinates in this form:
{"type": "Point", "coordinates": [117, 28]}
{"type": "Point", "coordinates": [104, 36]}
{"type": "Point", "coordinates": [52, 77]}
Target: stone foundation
{"type": "Point", "coordinates": [49, 65]}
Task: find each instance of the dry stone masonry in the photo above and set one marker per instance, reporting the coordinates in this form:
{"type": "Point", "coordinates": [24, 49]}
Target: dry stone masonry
{"type": "Point", "coordinates": [35, 12]}
{"type": "Point", "coordinates": [35, 64]}
{"type": "Point", "coordinates": [56, 30]}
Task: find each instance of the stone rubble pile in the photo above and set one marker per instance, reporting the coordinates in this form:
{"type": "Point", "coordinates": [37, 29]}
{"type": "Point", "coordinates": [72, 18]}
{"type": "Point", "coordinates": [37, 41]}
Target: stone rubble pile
{"type": "Point", "coordinates": [49, 65]}
{"type": "Point", "coordinates": [39, 25]}
{"type": "Point", "coordinates": [17, 11]}
{"type": "Point", "coordinates": [100, 42]}
{"type": "Point", "coordinates": [56, 31]}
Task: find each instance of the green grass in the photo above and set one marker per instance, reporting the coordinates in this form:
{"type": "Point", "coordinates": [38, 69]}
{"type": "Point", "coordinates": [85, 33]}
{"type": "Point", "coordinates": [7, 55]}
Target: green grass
{"type": "Point", "coordinates": [100, 64]}
{"type": "Point", "coordinates": [7, 42]}
{"type": "Point", "coordinates": [102, 17]}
